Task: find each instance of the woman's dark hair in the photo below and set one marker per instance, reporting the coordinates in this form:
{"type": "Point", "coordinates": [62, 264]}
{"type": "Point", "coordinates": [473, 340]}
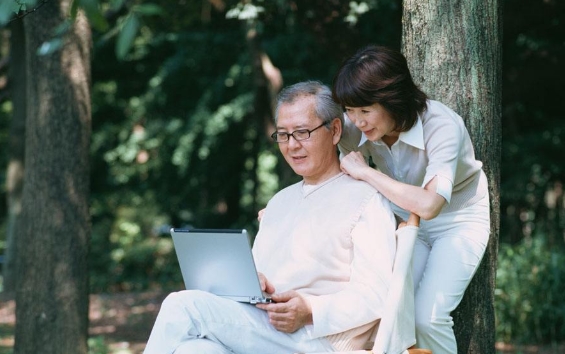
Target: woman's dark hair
{"type": "Point", "coordinates": [380, 75]}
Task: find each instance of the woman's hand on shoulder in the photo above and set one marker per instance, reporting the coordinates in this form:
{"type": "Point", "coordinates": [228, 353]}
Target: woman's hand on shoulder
{"type": "Point", "coordinates": [354, 164]}
{"type": "Point", "coordinates": [260, 214]}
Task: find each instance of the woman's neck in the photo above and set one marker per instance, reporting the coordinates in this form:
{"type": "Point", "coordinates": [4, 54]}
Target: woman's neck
{"type": "Point", "coordinates": [389, 140]}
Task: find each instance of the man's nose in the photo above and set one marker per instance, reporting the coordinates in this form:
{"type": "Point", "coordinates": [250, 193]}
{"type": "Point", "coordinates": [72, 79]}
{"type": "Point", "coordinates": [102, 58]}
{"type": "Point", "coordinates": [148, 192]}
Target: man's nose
{"type": "Point", "coordinates": [292, 142]}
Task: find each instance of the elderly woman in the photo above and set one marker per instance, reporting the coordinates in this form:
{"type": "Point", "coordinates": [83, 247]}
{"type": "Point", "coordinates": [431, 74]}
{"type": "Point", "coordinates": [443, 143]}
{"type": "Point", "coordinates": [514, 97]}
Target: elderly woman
{"type": "Point", "coordinates": [418, 154]}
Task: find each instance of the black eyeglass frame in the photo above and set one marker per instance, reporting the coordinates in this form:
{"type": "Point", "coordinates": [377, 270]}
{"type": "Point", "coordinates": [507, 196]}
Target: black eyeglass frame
{"type": "Point", "coordinates": [288, 135]}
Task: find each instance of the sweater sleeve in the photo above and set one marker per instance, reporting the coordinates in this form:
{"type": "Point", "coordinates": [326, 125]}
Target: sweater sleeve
{"type": "Point", "coordinates": [361, 300]}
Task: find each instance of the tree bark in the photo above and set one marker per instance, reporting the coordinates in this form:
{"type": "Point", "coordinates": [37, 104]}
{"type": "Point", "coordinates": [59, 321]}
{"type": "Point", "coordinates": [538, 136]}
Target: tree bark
{"type": "Point", "coordinates": [52, 289]}
{"type": "Point", "coordinates": [454, 51]}
{"type": "Point", "coordinates": [16, 148]}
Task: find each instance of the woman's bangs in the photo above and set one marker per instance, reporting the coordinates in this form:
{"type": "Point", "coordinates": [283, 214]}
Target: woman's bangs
{"type": "Point", "coordinates": [349, 93]}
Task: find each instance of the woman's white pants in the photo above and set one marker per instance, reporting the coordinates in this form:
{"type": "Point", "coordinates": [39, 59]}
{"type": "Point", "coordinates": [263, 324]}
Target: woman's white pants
{"type": "Point", "coordinates": [447, 253]}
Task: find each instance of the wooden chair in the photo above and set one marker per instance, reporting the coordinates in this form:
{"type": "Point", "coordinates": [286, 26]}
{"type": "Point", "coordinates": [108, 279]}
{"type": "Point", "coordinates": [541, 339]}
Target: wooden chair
{"type": "Point", "coordinates": [397, 318]}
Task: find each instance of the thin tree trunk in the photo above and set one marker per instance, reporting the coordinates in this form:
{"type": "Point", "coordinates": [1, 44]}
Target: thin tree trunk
{"type": "Point", "coordinates": [454, 51]}
{"type": "Point", "coordinates": [16, 148]}
{"type": "Point", "coordinates": [52, 289]}
{"type": "Point", "coordinates": [267, 82]}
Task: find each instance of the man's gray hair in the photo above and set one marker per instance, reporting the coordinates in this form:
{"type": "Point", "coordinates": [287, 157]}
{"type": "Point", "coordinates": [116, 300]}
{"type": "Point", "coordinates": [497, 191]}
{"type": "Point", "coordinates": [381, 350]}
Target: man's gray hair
{"type": "Point", "coordinates": [326, 109]}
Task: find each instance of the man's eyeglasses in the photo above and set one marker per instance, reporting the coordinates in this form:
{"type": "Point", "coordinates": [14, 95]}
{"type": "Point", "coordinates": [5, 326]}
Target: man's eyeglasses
{"type": "Point", "coordinates": [298, 135]}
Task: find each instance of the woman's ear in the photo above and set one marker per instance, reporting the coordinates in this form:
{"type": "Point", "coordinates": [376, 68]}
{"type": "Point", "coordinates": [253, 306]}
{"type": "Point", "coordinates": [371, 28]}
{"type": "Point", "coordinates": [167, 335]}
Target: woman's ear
{"type": "Point", "coordinates": [336, 130]}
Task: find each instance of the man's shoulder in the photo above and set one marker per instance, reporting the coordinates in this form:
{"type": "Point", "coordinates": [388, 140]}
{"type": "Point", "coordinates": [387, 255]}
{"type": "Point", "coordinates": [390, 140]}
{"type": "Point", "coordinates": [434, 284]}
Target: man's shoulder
{"type": "Point", "coordinates": [342, 186]}
{"type": "Point", "coordinates": [352, 183]}
{"type": "Point", "coordinates": [361, 192]}
{"type": "Point", "coordinates": [288, 191]}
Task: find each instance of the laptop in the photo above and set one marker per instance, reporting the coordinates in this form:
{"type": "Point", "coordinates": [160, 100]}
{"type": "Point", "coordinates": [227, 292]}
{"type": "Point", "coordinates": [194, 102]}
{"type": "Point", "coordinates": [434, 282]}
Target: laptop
{"type": "Point", "coordinates": [219, 261]}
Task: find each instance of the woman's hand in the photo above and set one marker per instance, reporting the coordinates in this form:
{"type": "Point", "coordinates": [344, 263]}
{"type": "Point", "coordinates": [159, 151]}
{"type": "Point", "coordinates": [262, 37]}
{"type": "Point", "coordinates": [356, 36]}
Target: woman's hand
{"type": "Point", "coordinates": [260, 214]}
{"type": "Point", "coordinates": [424, 202]}
{"type": "Point", "coordinates": [354, 165]}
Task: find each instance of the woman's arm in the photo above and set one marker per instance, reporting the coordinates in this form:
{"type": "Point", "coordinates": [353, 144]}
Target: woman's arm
{"type": "Point", "coordinates": [424, 202]}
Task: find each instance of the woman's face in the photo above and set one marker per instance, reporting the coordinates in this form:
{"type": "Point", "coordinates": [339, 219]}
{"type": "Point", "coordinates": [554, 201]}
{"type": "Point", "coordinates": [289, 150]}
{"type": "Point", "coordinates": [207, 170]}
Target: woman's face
{"type": "Point", "coordinates": [374, 120]}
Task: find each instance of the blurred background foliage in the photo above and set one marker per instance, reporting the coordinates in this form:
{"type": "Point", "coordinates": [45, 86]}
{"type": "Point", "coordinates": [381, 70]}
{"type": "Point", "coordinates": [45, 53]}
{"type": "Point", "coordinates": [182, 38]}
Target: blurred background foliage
{"type": "Point", "coordinates": [178, 139]}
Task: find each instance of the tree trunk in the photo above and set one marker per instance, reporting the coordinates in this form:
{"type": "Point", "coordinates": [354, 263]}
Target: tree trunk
{"type": "Point", "coordinates": [52, 289]}
{"type": "Point", "coordinates": [454, 51]}
{"type": "Point", "coordinates": [267, 82]}
{"type": "Point", "coordinates": [16, 148]}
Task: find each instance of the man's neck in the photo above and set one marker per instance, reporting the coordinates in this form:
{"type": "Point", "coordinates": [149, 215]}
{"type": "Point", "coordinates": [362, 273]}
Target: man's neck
{"type": "Point", "coordinates": [329, 173]}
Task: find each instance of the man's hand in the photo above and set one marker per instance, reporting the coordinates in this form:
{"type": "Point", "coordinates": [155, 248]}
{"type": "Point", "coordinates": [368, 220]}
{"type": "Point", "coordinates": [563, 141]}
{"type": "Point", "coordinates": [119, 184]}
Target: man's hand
{"type": "Point", "coordinates": [266, 285]}
{"type": "Point", "coordinates": [289, 313]}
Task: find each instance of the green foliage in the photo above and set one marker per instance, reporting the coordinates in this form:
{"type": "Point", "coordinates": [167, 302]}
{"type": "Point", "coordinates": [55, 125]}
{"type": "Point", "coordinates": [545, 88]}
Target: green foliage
{"type": "Point", "coordinates": [93, 13]}
{"type": "Point", "coordinates": [530, 281]}
{"type": "Point", "coordinates": [130, 25]}
{"type": "Point", "coordinates": [530, 284]}
{"type": "Point", "coordinates": [175, 140]}
{"type": "Point", "coordinates": [96, 345]}
{"type": "Point", "coordinates": [9, 8]}
{"type": "Point", "coordinates": [533, 127]}
{"type": "Point", "coordinates": [127, 35]}
{"type": "Point", "coordinates": [126, 27]}
{"type": "Point", "coordinates": [128, 251]}
{"type": "Point", "coordinates": [245, 11]}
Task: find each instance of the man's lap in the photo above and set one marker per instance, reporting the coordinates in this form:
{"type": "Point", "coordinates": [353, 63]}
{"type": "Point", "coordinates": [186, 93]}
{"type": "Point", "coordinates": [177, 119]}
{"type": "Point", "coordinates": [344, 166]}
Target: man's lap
{"type": "Point", "coordinates": [241, 327]}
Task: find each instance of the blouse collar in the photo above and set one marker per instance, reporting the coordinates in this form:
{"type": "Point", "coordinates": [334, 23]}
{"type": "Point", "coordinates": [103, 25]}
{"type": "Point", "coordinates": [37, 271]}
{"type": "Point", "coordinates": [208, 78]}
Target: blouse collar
{"type": "Point", "coordinates": [413, 137]}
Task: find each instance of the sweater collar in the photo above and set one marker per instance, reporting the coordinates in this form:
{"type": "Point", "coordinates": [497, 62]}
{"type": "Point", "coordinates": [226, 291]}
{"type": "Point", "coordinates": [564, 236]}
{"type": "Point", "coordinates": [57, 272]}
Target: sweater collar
{"type": "Point", "coordinates": [311, 188]}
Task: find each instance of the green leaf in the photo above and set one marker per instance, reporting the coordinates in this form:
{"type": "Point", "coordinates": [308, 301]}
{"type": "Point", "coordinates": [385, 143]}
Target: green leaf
{"type": "Point", "coordinates": [74, 9]}
{"type": "Point", "coordinates": [116, 4]}
{"type": "Point", "coordinates": [62, 29]}
{"type": "Point", "coordinates": [7, 10]}
{"type": "Point", "coordinates": [148, 9]}
{"type": "Point", "coordinates": [127, 35]}
{"type": "Point", "coordinates": [94, 14]}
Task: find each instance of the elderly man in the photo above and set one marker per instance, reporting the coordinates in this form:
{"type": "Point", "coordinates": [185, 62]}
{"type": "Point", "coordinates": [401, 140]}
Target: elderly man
{"type": "Point", "coordinates": [324, 250]}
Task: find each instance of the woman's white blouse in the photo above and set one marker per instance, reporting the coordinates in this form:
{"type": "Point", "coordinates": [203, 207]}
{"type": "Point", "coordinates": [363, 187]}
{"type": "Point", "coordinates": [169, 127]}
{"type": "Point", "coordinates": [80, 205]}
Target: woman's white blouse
{"type": "Point", "coordinates": [437, 145]}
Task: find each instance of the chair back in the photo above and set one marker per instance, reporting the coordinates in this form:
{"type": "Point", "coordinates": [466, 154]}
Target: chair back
{"type": "Point", "coordinates": [397, 329]}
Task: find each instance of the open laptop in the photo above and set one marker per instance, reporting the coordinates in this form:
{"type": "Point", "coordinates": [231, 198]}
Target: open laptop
{"type": "Point", "coordinates": [219, 261]}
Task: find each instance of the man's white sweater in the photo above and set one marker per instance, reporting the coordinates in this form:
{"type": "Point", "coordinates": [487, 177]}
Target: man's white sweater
{"type": "Point", "coordinates": [334, 243]}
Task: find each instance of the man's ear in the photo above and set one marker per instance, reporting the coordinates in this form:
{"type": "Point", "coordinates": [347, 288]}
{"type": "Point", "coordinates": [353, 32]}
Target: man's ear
{"type": "Point", "coordinates": [336, 129]}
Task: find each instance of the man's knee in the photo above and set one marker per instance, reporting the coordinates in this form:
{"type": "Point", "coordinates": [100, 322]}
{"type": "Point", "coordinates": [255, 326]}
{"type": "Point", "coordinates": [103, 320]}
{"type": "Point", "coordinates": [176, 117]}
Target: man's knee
{"type": "Point", "coordinates": [184, 299]}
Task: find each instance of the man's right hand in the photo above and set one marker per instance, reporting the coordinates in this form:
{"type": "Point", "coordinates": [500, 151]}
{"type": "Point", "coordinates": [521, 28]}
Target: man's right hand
{"type": "Point", "coordinates": [289, 312]}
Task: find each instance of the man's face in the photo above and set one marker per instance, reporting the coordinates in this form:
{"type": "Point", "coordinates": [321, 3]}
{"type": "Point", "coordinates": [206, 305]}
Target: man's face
{"type": "Point", "coordinates": [315, 159]}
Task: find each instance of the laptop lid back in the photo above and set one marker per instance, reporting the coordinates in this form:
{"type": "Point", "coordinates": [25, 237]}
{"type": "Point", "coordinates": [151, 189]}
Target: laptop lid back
{"type": "Point", "coordinates": [218, 261]}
